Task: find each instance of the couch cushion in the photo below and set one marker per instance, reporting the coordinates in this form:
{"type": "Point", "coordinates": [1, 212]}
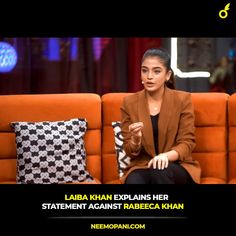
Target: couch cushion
{"type": "Point", "coordinates": [211, 135]}
{"type": "Point", "coordinates": [123, 159]}
{"type": "Point", "coordinates": [232, 138]}
{"type": "Point", "coordinates": [51, 152]}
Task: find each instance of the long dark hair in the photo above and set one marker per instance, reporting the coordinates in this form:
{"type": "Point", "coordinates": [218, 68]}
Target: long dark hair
{"type": "Point", "coordinates": [164, 56]}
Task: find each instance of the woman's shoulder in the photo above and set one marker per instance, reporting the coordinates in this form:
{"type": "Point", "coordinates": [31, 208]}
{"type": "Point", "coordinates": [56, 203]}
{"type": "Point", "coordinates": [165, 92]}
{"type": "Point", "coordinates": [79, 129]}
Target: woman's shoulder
{"type": "Point", "coordinates": [179, 97]}
{"type": "Point", "coordinates": [180, 93]}
{"type": "Point", "coordinates": [133, 98]}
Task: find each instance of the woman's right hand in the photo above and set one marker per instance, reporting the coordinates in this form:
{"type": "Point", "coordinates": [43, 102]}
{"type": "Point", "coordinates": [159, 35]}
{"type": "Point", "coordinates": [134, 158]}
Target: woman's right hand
{"type": "Point", "coordinates": [136, 132]}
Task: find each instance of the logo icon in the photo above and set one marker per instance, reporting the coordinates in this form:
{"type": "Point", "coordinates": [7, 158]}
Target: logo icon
{"type": "Point", "coordinates": [223, 13]}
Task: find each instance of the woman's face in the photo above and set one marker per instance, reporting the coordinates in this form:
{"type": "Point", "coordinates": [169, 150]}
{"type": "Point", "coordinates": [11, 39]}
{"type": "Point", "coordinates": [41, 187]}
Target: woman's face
{"type": "Point", "coordinates": [154, 74]}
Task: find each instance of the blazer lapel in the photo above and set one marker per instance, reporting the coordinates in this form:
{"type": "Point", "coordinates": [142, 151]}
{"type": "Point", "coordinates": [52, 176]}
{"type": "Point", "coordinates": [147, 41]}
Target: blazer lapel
{"type": "Point", "coordinates": [144, 116]}
{"type": "Point", "coordinates": [164, 117]}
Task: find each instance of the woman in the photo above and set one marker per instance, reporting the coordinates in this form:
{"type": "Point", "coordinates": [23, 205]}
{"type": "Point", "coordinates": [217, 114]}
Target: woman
{"type": "Point", "coordinates": [158, 127]}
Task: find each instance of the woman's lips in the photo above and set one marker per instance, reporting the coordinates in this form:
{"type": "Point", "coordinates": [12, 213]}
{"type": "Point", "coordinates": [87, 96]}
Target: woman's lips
{"type": "Point", "coordinates": [149, 83]}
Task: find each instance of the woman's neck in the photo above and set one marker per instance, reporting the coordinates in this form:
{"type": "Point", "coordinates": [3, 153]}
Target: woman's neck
{"type": "Point", "coordinates": [155, 96]}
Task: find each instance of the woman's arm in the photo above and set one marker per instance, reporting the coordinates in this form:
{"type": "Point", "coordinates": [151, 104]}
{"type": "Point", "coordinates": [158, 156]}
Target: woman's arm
{"type": "Point", "coordinates": [131, 132]}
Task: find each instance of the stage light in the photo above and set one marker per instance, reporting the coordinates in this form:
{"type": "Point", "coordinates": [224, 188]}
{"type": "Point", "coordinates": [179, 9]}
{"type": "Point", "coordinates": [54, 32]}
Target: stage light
{"type": "Point", "coordinates": [8, 57]}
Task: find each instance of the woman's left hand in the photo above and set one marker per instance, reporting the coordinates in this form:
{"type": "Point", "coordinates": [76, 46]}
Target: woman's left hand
{"type": "Point", "coordinates": [160, 161]}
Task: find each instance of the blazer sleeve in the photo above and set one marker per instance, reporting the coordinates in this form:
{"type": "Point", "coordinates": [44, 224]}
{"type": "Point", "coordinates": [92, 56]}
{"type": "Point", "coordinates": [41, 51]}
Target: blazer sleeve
{"type": "Point", "coordinates": [131, 150]}
{"type": "Point", "coordinates": [185, 140]}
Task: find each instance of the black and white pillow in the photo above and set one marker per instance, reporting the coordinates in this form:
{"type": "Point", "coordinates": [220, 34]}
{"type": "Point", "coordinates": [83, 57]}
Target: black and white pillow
{"type": "Point", "coordinates": [51, 152]}
{"type": "Point", "coordinates": [122, 159]}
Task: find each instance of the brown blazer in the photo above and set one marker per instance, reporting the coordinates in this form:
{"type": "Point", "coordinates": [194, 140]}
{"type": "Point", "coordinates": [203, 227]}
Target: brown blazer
{"type": "Point", "coordinates": [176, 130]}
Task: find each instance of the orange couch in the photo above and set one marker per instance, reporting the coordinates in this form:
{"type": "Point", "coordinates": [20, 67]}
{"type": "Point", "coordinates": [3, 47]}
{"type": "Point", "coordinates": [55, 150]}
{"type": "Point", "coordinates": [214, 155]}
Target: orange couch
{"type": "Point", "coordinates": [51, 107]}
{"type": "Point", "coordinates": [232, 139]}
{"type": "Point", "coordinates": [211, 135]}
{"type": "Point", "coordinates": [215, 149]}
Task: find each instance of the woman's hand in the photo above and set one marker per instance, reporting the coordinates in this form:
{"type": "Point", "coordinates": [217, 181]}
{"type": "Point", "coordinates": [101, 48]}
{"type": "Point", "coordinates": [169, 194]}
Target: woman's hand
{"type": "Point", "coordinates": [160, 161]}
{"type": "Point", "coordinates": [136, 132]}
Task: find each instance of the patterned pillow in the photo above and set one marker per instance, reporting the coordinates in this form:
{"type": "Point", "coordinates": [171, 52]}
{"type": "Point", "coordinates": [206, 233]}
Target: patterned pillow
{"type": "Point", "coordinates": [122, 159]}
{"type": "Point", "coordinates": [51, 152]}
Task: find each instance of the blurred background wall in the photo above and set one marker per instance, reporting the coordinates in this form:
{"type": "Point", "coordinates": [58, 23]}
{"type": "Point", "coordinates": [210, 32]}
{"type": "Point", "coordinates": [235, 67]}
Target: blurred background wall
{"type": "Point", "coordinates": [102, 65]}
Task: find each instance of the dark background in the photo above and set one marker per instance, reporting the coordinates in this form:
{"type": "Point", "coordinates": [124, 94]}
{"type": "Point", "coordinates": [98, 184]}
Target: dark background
{"type": "Point", "coordinates": [63, 48]}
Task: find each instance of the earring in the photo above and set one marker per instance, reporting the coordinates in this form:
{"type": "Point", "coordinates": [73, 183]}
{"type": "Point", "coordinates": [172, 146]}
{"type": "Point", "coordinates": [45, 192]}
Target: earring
{"type": "Point", "coordinates": [142, 82]}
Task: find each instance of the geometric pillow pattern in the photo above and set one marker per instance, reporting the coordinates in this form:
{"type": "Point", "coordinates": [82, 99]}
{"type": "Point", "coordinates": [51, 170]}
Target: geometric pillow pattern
{"type": "Point", "coordinates": [51, 152]}
{"type": "Point", "coordinates": [122, 159]}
